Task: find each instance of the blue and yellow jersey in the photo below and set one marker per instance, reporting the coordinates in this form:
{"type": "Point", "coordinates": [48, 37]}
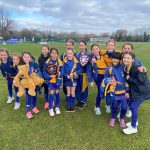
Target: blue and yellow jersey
{"type": "Point", "coordinates": [87, 69]}
{"type": "Point", "coordinates": [63, 57]}
{"type": "Point", "coordinates": [71, 66]}
{"type": "Point", "coordinates": [108, 56]}
{"type": "Point", "coordinates": [57, 62]}
{"type": "Point", "coordinates": [98, 68]}
{"type": "Point", "coordinates": [117, 73]}
{"type": "Point", "coordinates": [101, 65]}
{"type": "Point", "coordinates": [8, 69]}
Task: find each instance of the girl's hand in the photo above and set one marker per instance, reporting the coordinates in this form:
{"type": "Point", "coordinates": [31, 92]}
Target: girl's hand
{"type": "Point", "coordinates": [93, 60]}
{"type": "Point", "coordinates": [142, 69]}
{"type": "Point", "coordinates": [127, 77]}
{"type": "Point", "coordinates": [92, 84]}
{"type": "Point", "coordinates": [53, 76]}
{"type": "Point", "coordinates": [113, 83]}
{"type": "Point", "coordinates": [59, 73]}
{"type": "Point", "coordinates": [127, 96]}
{"type": "Point", "coordinates": [71, 75]}
{"type": "Point", "coordinates": [68, 77]}
{"type": "Point", "coordinates": [4, 79]}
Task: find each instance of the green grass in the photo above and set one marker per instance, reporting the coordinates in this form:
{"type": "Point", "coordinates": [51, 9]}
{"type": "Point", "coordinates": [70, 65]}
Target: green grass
{"type": "Point", "coordinates": [79, 130]}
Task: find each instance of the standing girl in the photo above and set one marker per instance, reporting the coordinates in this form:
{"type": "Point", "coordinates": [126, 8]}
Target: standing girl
{"type": "Point", "coordinates": [8, 72]}
{"type": "Point", "coordinates": [115, 73]}
{"type": "Point", "coordinates": [99, 68]}
{"type": "Point", "coordinates": [16, 60]}
{"type": "Point", "coordinates": [107, 54]}
{"type": "Point", "coordinates": [72, 70]}
{"type": "Point", "coordinates": [139, 87]}
{"type": "Point", "coordinates": [83, 58]}
{"type": "Point", "coordinates": [42, 59]}
{"type": "Point", "coordinates": [63, 57]}
{"type": "Point", "coordinates": [52, 72]}
{"type": "Point", "coordinates": [128, 47]}
{"type": "Point", "coordinates": [31, 101]}
{"type": "Point", "coordinates": [69, 44]}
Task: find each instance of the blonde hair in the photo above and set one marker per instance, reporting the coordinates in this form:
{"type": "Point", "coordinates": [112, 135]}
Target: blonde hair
{"type": "Point", "coordinates": [5, 50]}
{"type": "Point", "coordinates": [111, 40]}
{"type": "Point", "coordinates": [17, 55]}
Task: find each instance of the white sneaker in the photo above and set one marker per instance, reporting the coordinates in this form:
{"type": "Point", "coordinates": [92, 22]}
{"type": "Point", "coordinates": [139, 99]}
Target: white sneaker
{"type": "Point", "coordinates": [129, 113]}
{"type": "Point", "coordinates": [108, 110]}
{"type": "Point", "coordinates": [130, 130]}
{"type": "Point", "coordinates": [129, 124]}
{"type": "Point", "coordinates": [17, 106]}
{"type": "Point", "coordinates": [10, 99]}
{"type": "Point", "coordinates": [57, 110]}
{"type": "Point", "coordinates": [97, 111]}
{"type": "Point", "coordinates": [51, 112]}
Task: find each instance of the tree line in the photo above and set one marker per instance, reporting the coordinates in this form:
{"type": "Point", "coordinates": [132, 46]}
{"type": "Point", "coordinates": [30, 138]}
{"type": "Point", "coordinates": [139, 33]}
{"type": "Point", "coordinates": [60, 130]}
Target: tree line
{"type": "Point", "coordinates": [8, 31]}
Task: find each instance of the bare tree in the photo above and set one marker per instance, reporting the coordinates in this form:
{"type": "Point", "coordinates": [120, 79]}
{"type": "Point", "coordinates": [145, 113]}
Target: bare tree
{"type": "Point", "coordinates": [6, 23]}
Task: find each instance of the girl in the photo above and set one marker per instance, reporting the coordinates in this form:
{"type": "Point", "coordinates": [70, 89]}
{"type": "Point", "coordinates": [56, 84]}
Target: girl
{"type": "Point", "coordinates": [107, 54]}
{"type": "Point", "coordinates": [72, 70]}
{"type": "Point", "coordinates": [99, 68]}
{"type": "Point", "coordinates": [42, 59]}
{"type": "Point", "coordinates": [83, 58]}
{"type": "Point", "coordinates": [117, 81]}
{"type": "Point", "coordinates": [128, 47]}
{"type": "Point", "coordinates": [8, 72]}
{"type": "Point", "coordinates": [16, 60]}
{"type": "Point", "coordinates": [139, 86]}
{"type": "Point", "coordinates": [69, 44]}
{"type": "Point", "coordinates": [55, 74]}
{"type": "Point", "coordinates": [63, 57]}
{"type": "Point", "coordinates": [31, 101]}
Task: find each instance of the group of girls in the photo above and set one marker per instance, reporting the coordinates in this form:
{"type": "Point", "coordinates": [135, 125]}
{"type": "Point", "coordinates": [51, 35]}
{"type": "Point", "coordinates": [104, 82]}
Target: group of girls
{"type": "Point", "coordinates": [118, 74]}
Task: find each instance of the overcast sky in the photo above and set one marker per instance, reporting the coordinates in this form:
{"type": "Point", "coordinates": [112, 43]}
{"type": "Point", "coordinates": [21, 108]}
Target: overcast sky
{"type": "Point", "coordinates": [84, 16]}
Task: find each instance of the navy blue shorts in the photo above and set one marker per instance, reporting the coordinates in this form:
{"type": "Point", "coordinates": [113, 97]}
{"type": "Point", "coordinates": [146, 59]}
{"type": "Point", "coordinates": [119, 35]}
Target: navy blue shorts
{"type": "Point", "coordinates": [53, 86]}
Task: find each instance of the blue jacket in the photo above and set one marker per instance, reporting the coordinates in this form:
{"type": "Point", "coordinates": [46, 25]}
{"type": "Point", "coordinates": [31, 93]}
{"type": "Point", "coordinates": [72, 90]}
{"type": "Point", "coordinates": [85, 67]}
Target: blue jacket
{"type": "Point", "coordinates": [117, 72]}
{"type": "Point", "coordinates": [88, 68]}
{"type": "Point", "coordinates": [138, 61]}
{"type": "Point", "coordinates": [7, 69]}
{"type": "Point", "coordinates": [68, 66]}
{"type": "Point", "coordinates": [34, 67]}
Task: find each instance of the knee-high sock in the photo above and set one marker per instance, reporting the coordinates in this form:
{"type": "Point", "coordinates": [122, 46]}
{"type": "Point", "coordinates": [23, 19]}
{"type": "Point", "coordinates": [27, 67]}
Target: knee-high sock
{"type": "Point", "coordinates": [9, 85]}
{"type": "Point", "coordinates": [57, 99]}
{"type": "Point", "coordinates": [114, 108]}
{"type": "Point", "coordinates": [16, 91]}
{"type": "Point", "coordinates": [34, 100]}
{"type": "Point", "coordinates": [46, 92]}
{"type": "Point", "coordinates": [72, 100]}
{"type": "Point", "coordinates": [68, 100]}
{"type": "Point", "coordinates": [28, 102]}
{"type": "Point", "coordinates": [123, 108]}
{"type": "Point", "coordinates": [98, 98]}
{"type": "Point", "coordinates": [51, 99]}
